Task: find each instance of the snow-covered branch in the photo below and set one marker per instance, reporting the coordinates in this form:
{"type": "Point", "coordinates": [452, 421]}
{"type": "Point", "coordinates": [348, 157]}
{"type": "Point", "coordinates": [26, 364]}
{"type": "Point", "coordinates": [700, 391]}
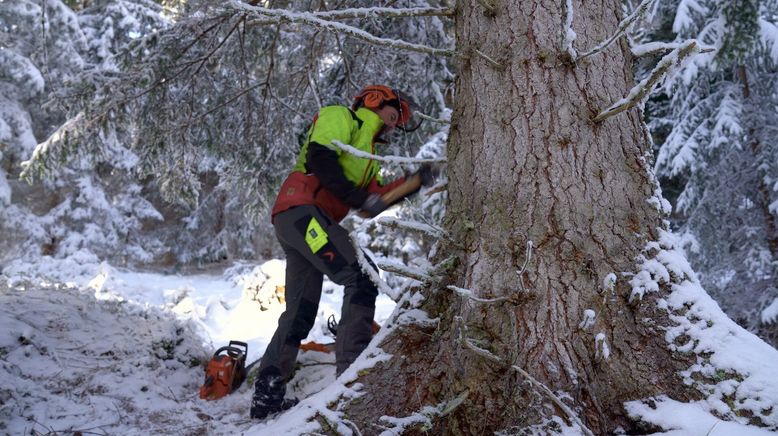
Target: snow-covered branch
{"type": "Point", "coordinates": [311, 19]}
{"type": "Point", "coordinates": [44, 152]}
{"type": "Point", "coordinates": [371, 272]}
{"type": "Point", "coordinates": [488, 355]}
{"type": "Point", "coordinates": [623, 26]}
{"type": "Point", "coordinates": [640, 91]}
{"type": "Point", "coordinates": [658, 47]}
{"type": "Point", "coordinates": [395, 223]}
{"type": "Point", "coordinates": [378, 12]}
{"type": "Point", "coordinates": [389, 159]}
{"type": "Point", "coordinates": [432, 119]}
{"type": "Point", "coordinates": [404, 270]}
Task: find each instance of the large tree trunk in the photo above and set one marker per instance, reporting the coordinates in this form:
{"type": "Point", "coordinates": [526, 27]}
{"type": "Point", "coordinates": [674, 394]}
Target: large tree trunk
{"type": "Point", "coordinates": [527, 164]}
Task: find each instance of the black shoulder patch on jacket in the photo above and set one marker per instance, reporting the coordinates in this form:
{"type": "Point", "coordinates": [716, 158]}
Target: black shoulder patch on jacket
{"type": "Point", "coordinates": [356, 118]}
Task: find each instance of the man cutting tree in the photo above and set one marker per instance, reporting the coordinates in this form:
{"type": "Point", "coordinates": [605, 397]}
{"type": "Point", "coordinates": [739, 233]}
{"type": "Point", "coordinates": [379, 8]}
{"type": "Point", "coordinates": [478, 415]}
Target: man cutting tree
{"type": "Point", "coordinates": [325, 183]}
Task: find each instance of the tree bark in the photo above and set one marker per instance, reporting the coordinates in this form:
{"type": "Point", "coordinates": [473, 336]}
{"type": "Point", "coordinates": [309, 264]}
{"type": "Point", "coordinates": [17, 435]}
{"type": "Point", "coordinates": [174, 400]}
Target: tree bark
{"type": "Point", "coordinates": [527, 164]}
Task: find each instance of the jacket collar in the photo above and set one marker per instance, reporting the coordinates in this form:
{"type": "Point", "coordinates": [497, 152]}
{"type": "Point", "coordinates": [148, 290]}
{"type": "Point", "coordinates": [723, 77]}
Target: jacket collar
{"type": "Point", "coordinates": [370, 119]}
{"type": "Point", "coordinates": [372, 122]}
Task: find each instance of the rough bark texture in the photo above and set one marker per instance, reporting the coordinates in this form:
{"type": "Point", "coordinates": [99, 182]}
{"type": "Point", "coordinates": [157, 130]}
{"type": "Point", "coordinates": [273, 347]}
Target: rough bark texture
{"type": "Point", "coordinates": [527, 164]}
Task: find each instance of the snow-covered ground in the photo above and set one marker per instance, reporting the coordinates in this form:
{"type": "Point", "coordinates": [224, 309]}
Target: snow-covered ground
{"type": "Point", "coordinates": [120, 352]}
{"type": "Point", "coordinates": [109, 351]}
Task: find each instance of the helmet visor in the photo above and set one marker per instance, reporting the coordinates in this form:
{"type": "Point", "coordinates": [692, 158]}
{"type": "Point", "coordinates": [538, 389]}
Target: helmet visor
{"type": "Point", "coordinates": [405, 108]}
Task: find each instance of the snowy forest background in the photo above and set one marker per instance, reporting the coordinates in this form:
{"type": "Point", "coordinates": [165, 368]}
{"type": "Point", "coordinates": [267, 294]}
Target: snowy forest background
{"type": "Point", "coordinates": [166, 126]}
{"type": "Point", "coordinates": [152, 135]}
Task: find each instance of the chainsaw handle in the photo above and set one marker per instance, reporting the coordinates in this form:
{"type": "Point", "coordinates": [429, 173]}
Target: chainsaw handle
{"type": "Point", "coordinates": [240, 344]}
{"type": "Point", "coordinates": [236, 348]}
{"type": "Point", "coordinates": [411, 184]}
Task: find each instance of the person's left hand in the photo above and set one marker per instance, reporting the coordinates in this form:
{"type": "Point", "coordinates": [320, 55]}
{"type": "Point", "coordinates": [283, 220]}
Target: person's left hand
{"type": "Point", "coordinates": [426, 174]}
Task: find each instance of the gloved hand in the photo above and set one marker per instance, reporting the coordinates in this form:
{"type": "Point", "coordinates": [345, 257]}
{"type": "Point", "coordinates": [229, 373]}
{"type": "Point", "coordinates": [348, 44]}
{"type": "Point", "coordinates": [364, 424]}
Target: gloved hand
{"type": "Point", "coordinates": [426, 174]}
{"type": "Point", "coordinates": [372, 206]}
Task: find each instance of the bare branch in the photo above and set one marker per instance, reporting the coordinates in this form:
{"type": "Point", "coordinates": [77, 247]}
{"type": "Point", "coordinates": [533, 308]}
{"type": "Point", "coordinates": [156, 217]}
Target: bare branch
{"type": "Point", "coordinates": [309, 18]}
{"type": "Point", "coordinates": [623, 26]}
{"type": "Point", "coordinates": [642, 89]}
{"type": "Point", "coordinates": [496, 65]}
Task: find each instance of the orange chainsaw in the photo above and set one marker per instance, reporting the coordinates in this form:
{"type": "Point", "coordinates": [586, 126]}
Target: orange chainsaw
{"type": "Point", "coordinates": [225, 371]}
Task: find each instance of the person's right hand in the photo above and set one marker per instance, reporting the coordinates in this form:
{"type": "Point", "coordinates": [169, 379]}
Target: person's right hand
{"type": "Point", "coordinates": [426, 175]}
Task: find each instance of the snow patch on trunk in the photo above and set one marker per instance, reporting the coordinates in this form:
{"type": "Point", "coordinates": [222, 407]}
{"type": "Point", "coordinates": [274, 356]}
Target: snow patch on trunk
{"type": "Point", "coordinates": [734, 368]}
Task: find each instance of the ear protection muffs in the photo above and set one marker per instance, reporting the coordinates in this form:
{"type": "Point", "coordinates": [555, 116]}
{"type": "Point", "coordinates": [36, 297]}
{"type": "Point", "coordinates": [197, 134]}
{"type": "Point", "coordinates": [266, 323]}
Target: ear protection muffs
{"type": "Point", "coordinates": [374, 97]}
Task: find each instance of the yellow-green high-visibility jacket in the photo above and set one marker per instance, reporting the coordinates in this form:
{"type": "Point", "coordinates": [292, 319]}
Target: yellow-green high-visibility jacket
{"type": "Point", "coordinates": [329, 177]}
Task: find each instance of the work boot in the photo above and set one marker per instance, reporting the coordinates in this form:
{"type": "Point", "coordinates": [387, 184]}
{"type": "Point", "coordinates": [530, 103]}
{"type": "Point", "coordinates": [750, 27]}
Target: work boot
{"type": "Point", "coordinates": [268, 398]}
{"type": "Point", "coordinates": [259, 410]}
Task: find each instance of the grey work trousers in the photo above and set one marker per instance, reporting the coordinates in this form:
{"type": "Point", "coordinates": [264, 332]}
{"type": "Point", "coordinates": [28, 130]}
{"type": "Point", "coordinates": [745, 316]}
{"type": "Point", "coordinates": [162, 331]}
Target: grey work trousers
{"type": "Point", "coordinates": [309, 255]}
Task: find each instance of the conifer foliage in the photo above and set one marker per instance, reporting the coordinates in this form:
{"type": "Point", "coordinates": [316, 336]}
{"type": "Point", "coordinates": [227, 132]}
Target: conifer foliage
{"type": "Point", "coordinates": [716, 153]}
{"type": "Point", "coordinates": [198, 110]}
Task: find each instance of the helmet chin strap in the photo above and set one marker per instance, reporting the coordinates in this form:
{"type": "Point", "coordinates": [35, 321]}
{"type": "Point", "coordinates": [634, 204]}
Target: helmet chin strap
{"type": "Point", "coordinates": [413, 129]}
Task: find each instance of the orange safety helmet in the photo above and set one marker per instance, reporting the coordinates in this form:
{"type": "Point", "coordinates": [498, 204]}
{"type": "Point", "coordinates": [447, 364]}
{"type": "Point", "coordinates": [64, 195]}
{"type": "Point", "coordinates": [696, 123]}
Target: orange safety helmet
{"type": "Point", "coordinates": [377, 96]}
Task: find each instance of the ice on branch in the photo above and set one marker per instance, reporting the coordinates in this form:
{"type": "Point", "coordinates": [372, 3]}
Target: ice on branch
{"type": "Point", "coordinates": [669, 64]}
{"type": "Point", "coordinates": [389, 159]}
